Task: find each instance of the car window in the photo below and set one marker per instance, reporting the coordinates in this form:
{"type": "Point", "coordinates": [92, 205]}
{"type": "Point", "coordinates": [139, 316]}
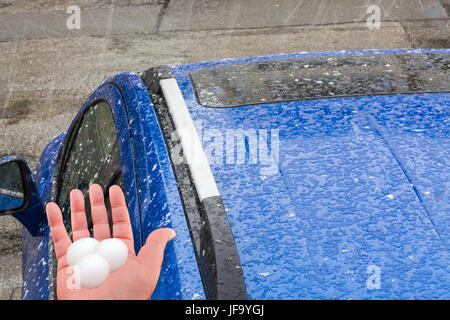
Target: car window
{"type": "Point", "coordinates": [93, 158]}
{"type": "Point", "coordinates": [320, 77]}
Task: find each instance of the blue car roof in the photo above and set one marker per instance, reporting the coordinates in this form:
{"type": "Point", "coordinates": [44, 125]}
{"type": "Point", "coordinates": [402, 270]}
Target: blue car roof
{"type": "Point", "coordinates": [358, 186]}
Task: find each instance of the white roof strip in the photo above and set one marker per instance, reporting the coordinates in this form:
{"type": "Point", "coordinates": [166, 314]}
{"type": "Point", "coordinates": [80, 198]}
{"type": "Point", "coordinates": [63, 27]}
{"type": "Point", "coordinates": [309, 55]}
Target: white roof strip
{"type": "Point", "coordinates": [190, 141]}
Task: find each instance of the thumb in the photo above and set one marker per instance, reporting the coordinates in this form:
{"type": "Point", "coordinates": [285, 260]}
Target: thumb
{"type": "Point", "coordinates": [152, 253]}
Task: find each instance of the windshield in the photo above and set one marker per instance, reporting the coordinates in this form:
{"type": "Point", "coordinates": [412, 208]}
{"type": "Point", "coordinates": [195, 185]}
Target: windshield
{"type": "Point", "coordinates": [320, 77]}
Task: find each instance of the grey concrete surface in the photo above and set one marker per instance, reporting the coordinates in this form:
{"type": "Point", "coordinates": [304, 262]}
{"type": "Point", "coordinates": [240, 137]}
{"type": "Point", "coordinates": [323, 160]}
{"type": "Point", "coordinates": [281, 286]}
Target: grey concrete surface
{"type": "Point", "coordinates": [47, 72]}
{"type": "Point", "coordinates": [10, 258]}
{"type": "Point", "coordinates": [13, 6]}
{"type": "Point", "coordinates": [99, 22]}
{"type": "Point", "coordinates": [229, 14]}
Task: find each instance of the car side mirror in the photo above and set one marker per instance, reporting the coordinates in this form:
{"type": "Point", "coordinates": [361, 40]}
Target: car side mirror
{"type": "Point", "coordinates": [12, 192]}
{"type": "Point", "coordinates": [18, 196]}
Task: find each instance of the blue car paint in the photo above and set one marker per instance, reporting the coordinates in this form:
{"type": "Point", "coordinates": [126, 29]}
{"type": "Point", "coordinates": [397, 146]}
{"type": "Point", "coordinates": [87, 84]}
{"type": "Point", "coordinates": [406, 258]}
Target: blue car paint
{"type": "Point", "coordinates": [10, 202]}
{"type": "Point", "coordinates": [32, 216]}
{"type": "Point", "coordinates": [351, 194]}
{"type": "Point", "coordinates": [35, 248]}
{"type": "Point", "coordinates": [180, 278]}
{"type": "Point", "coordinates": [416, 130]}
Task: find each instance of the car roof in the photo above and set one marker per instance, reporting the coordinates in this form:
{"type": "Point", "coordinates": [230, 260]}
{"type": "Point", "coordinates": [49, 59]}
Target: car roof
{"type": "Point", "coordinates": [358, 183]}
{"type": "Point", "coordinates": [322, 193]}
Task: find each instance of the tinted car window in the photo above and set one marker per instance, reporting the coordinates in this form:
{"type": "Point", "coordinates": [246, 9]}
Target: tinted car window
{"type": "Point", "coordinates": [93, 158]}
{"type": "Point", "coordinates": [320, 77]}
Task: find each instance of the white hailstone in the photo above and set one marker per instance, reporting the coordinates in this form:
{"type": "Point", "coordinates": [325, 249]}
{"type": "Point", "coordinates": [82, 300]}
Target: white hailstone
{"type": "Point", "coordinates": [93, 271]}
{"type": "Point", "coordinates": [115, 251]}
{"type": "Point", "coordinates": [93, 260]}
{"type": "Point", "coordinates": [79, 249]}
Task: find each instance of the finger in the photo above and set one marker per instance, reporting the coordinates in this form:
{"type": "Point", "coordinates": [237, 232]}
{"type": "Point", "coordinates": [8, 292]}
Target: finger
{"type": "Point", "coordinates": [78, 215]}
{"type": "Point", "coordinates": [152, 253]}
{"type": "Point", "coordinates": [61, 240]}
{"type": "Point", "coordinates": [98, 212]}
{"type": "Point", "coordinates": [121, 217]}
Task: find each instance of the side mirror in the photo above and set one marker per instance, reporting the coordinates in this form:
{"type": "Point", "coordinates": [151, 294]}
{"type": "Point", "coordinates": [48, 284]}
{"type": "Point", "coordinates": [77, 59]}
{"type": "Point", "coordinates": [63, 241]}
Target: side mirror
{"type": "Point", "coordinates": [18, 196]}
{"type": "Point", "coordinates": [12, 191]}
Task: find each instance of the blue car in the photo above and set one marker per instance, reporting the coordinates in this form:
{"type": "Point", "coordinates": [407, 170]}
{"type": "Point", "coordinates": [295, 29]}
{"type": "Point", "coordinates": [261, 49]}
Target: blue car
{"type": "Point", "coordinates": [297, 176]}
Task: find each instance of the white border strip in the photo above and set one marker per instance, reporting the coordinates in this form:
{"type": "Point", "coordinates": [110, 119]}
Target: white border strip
{"type": "Point", "coordinates": [192, 146]}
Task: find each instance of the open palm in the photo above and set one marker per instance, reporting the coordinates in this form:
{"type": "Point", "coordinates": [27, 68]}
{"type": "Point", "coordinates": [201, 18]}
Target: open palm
{"type": "Point", "coordinates": [137, 279]}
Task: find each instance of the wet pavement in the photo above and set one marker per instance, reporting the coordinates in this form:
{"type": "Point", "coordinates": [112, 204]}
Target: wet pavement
{"type": "Point", "coordinates": [48, 70]}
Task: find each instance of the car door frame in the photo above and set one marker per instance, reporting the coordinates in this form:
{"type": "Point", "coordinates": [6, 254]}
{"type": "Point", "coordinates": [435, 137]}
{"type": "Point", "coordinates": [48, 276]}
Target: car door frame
{"type": "Point", "coordinates": [109, 93]}
{"type": "Point", "coordinates": [160, 201]}
{"type": "Point", "coordinates": [136, 121]}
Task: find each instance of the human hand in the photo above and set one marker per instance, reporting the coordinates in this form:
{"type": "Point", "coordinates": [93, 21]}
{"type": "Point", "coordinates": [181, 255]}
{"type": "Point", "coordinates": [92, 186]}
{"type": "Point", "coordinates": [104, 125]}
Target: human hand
{"type": "Point", "coordinates": [137, 279]}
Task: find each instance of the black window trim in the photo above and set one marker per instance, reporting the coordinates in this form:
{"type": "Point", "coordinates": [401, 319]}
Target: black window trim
{"type": "Point", "coordinates": [68, 145]}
